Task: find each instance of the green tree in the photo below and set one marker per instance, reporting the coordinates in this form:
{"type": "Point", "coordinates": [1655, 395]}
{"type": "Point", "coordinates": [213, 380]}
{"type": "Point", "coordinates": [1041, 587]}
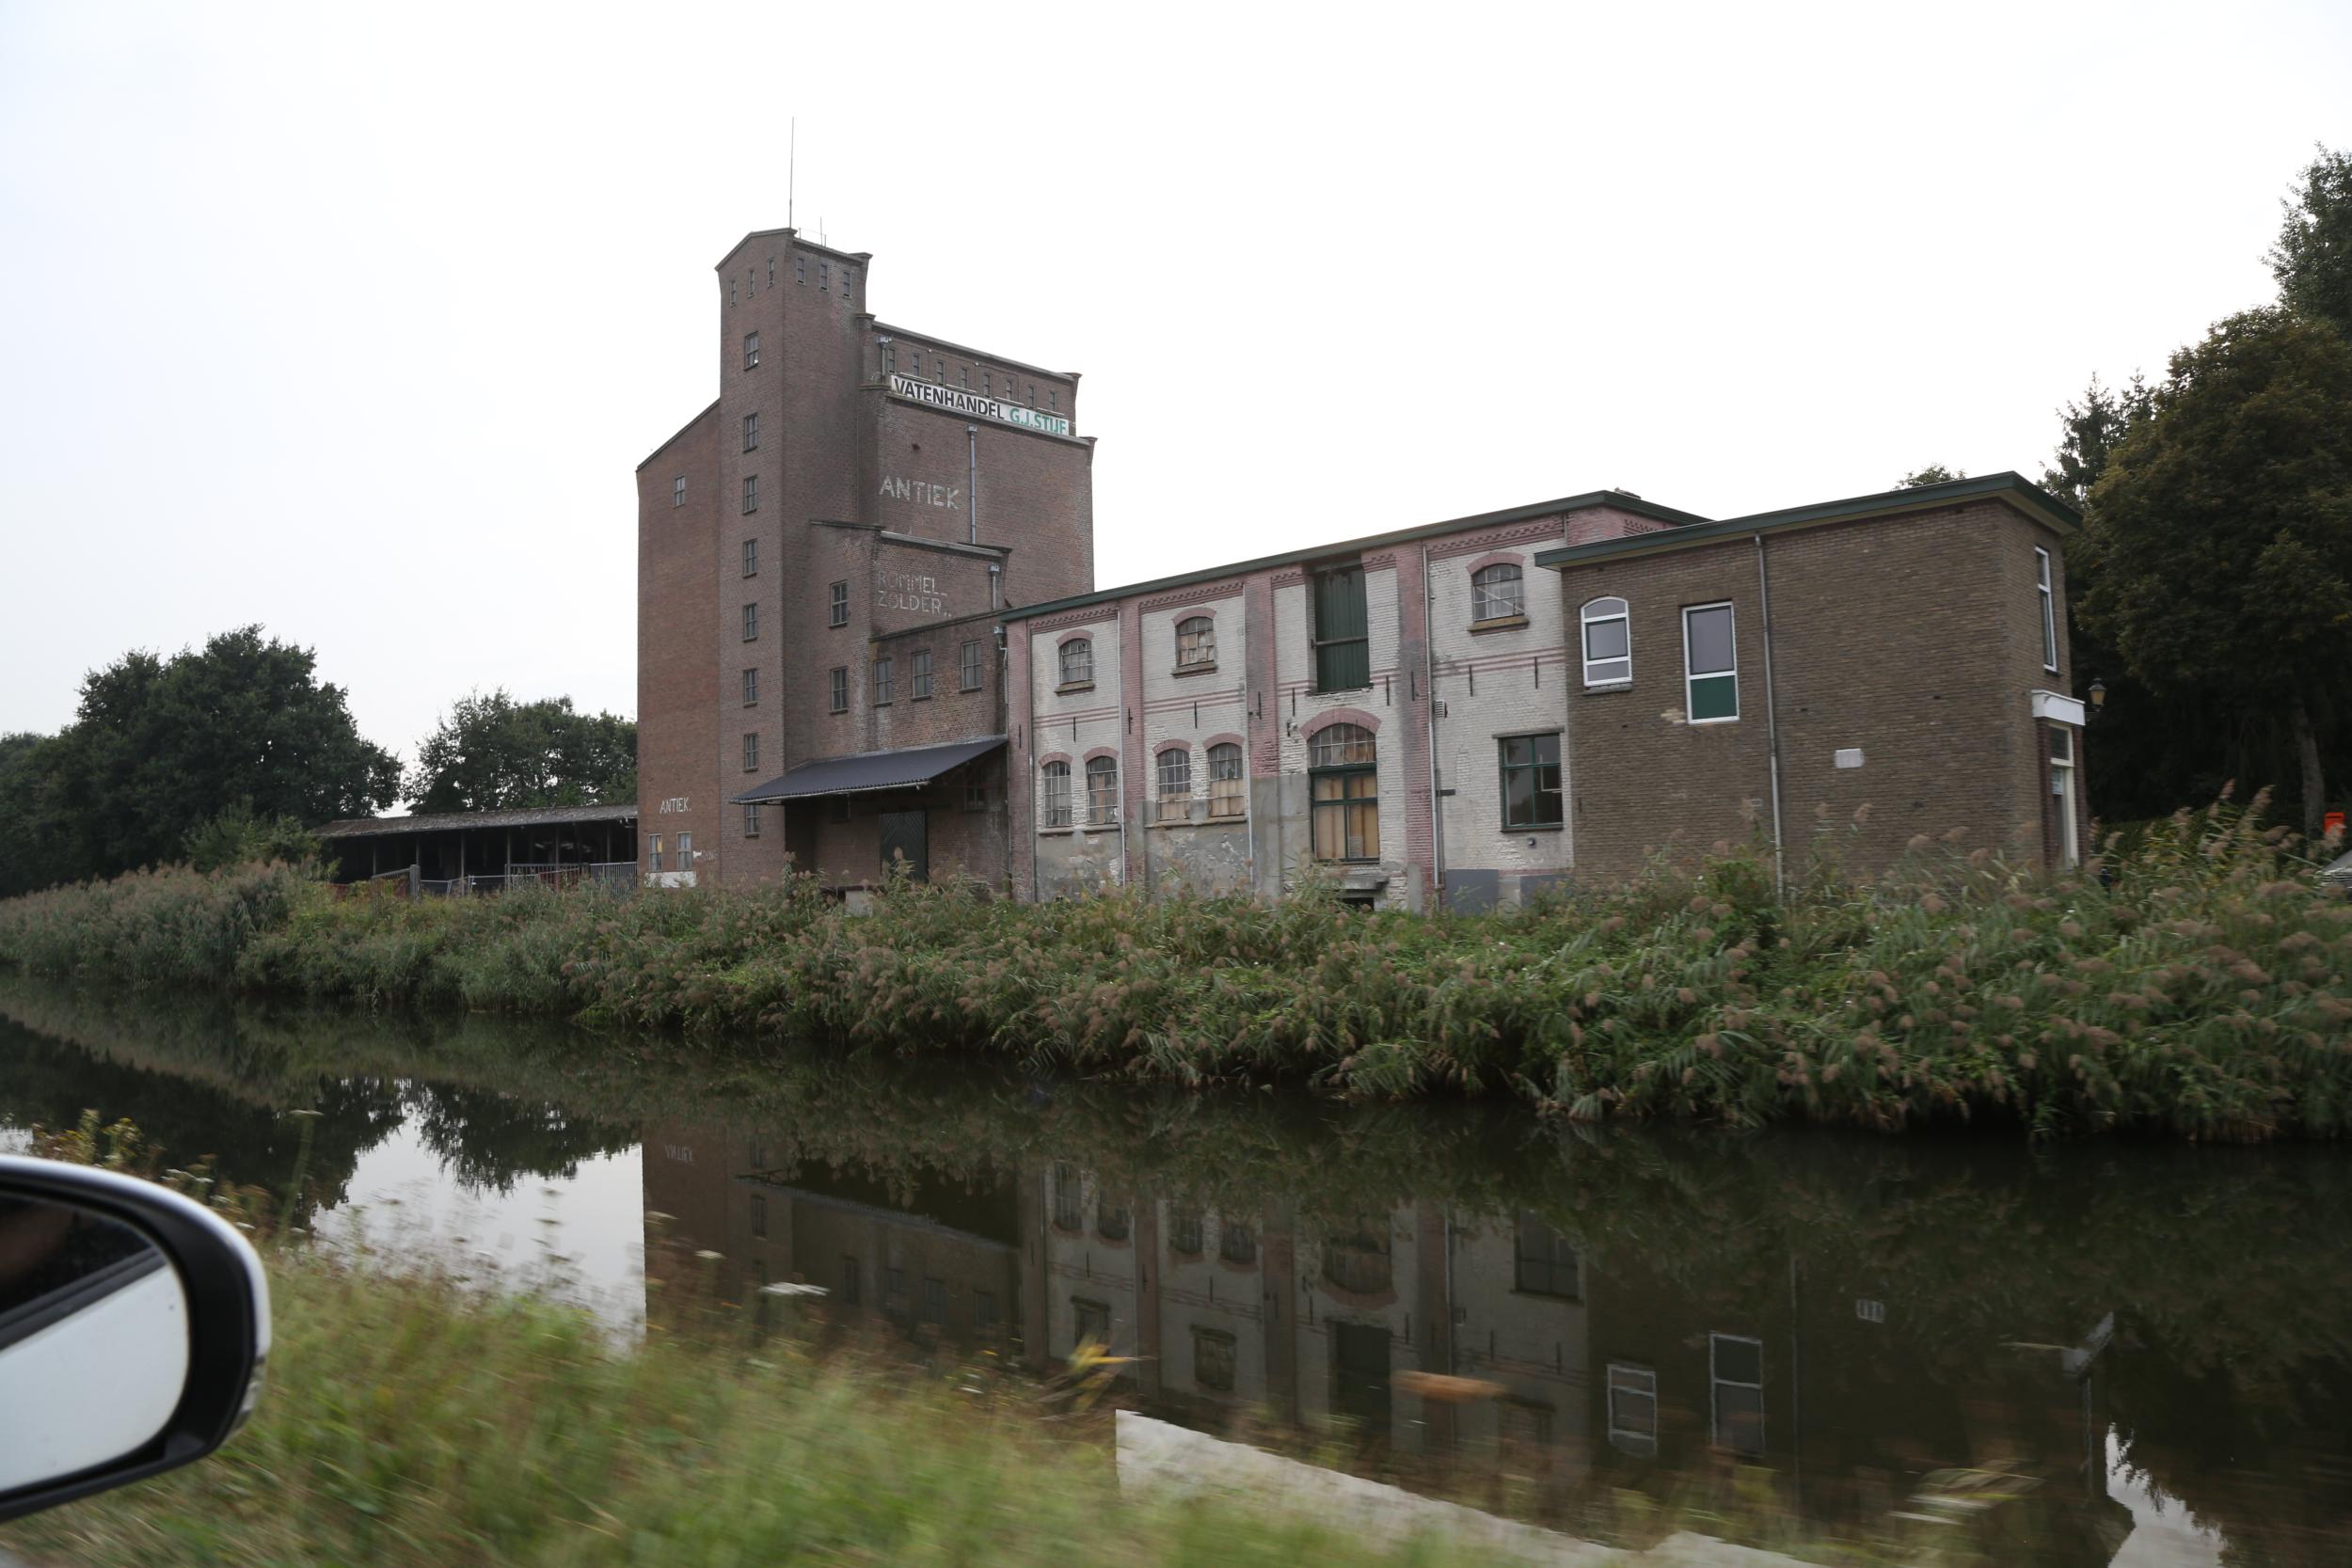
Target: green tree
{"type": "Point", "coordinates": [2312, 260]}
{"type": "Point", "coordinates": [494, 754]}
{"type": "Point", "coordinates": [2220, 534]}
{"type": "Point", "coordinates": [1934, 473]}
{"type": "Point", "coordinates": [2091, 430]}
{"type": "Point", "coordinates": [159, 746]}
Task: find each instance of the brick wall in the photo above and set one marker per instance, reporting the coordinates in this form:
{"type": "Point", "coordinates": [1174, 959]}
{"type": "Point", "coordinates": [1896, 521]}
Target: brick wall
{"type": "Point", "coordinates": [677, 686]}
{"type": "Point", "coordinates": [1905, 637]}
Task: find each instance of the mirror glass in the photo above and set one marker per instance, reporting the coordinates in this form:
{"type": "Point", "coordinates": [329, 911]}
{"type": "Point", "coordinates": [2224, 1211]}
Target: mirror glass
{"type": "Point", "coordinates": [93, 1341]}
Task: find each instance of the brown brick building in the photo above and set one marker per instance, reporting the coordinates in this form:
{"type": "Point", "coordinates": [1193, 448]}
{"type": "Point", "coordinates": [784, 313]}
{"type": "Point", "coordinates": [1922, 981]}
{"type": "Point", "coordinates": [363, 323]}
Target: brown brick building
{"type": "Point", "coordinates": [818, 553]}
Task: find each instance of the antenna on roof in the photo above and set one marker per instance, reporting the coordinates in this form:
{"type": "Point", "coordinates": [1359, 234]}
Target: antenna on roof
{"type": "Point", "coordinates": [791, 167]}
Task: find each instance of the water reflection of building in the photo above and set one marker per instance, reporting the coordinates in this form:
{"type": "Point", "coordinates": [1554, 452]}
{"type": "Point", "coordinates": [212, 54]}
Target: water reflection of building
{"type": "Point", "coordinates": [1459, 1349]}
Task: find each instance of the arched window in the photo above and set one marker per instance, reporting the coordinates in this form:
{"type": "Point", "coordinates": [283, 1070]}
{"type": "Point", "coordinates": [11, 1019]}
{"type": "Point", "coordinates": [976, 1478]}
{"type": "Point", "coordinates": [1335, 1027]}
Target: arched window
{"type": "Point", "coordinates": [1608, 643]}
{"type": "Point", "coordinates": [1055, 776]}
{"type": "Point", "coordinates": [1078, 661]}
{"type": "Point", "coordinates": [1195, 643]}
{"type": "Point", "coordinates": [1102, 792]}
{"type": "Point", "coordinates": [1225, 781]}
{"type": "Point", "coordinates": [1343, 775]}
{"type": "Point", "coordinates": [1175, 778]}
{"type": "Point", "coordinates": [1498, 592]}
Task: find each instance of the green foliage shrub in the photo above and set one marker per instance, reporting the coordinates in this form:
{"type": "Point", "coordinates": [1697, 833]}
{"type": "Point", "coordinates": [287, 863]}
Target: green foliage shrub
{"type": "Point", "coordinates": [2195, 983]}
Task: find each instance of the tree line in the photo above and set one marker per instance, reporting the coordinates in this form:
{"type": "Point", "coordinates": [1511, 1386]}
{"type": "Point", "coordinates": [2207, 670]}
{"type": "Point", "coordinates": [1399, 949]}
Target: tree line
{"type": "Point", "coordinates": [2211, 586]}
{"type": "Point", "coordinates": [234, 751]}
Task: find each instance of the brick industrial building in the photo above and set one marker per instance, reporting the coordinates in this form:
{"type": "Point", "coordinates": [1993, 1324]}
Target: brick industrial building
{"type": "Point", "coordinates": [868, 630]}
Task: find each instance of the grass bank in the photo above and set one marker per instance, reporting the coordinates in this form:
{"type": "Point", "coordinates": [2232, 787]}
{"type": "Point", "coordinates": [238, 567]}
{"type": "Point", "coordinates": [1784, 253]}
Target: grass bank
{"type": "Point", "coordinates": [2196, 984]}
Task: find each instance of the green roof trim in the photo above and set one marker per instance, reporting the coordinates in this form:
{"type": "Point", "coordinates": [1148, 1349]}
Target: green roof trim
{"type": "Point", "coordinates": [2011, 488]}
{"type": "Point", "coordinates": [1621, 499]}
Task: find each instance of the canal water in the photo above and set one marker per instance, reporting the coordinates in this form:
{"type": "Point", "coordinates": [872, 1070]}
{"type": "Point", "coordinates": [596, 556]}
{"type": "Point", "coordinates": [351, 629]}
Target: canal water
{"type": "Point", "coordinates": [2106, 1352]}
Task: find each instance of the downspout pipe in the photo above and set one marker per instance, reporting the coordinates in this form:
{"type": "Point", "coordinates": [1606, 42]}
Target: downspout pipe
{"type": "Point", "coordinates": [1772, 717]}
{"type": "Point", "coordinates": [1429, 714]}
{"type": "Point", "coordinates": [972, 480]}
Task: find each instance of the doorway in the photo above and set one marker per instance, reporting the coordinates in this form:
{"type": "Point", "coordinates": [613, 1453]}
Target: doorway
{"type": "Point", "coordinates": [907, 834]}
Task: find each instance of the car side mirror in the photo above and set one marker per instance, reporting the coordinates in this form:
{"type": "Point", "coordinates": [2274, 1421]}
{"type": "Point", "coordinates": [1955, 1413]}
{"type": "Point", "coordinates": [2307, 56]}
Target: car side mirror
{"type": "Point", "coordinates": [133, 1326]}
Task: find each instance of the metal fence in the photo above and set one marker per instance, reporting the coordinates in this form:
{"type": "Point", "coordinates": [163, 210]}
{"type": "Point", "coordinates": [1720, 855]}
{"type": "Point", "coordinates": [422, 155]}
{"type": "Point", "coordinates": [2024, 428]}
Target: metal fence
{"type": "Point", "coordinates": [406, 882]}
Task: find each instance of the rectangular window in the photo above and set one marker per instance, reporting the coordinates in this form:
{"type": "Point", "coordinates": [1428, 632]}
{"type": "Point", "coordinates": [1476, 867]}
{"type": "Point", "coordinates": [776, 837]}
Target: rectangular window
{"type": "Point", "coordinates": [1343, 646]}
{"type": "Point", "coordinates": [1531, 780]}
{"type": "Point", "coordinates": [759, 1215]}
{"type": "Point", "coordinates": [799, 269]}
{"type": "Point", "coordinates": [1633, 1409]}
{"type": "Point", "coordinates": [1078, 661]}
{"type": "Point", "coordinates": [751, 351]}
{"type": "Point", "coordinates": [1213, 1359]}
{"type": "Point", "coordinates": [751, 751]}
{"type": "Point", "coordinates": [837, 605]}
{"type": "Point", "coordinates": [840, 680]}
{"type": "Point", "coordinates": [968, 668]}
{"type": "Point", "coordinates": [2069, 844]}
{"type": "Point", "coordinates": [677, 491]}
{"type": "Point", "coordinates": [751, 432]}
{"type": "Point", "coordinates": [1172, 771]}
{"type": "Point", "coordinates": [1735, 1365]}
{"type": "Point", "coordinates": [751, 558]}
{"type": "Point", "coordinates": [975, 797]}
{"type": "Point", "coordinates": [686, 851]}
{"type": "Point", "coordinates": [654, 849]}
{"type": "Point", "coordinates": [1093, 1326]}
{"type": "Point", "coordinates": [751, 622]}
{"type": "Point", "coordinates": [1069, 1192]}
{"type": "Point", "coordinates": [2049, 610]}
{"type": "Point", "coordinates": [750, 820]}
{"type": "Point", "coordinates": [988, 384]}
{"type": "Point", "coordinates": [885, 680]}
{"type": "Point", "coordinates": [1225, 781]}
{"type": "Point", "coordinates": [1543, 1263]}
{"type": "Point", "coordinates": [1710, 664]}
{"type": "Point", "coordinates": [936, 1301]}
{"type": "Point", "coordinates": [851, 1280]}
{"type": "Point", "coordinates": [824, 277]}
{"type": "Point", "coordinates": [751, 492]}
{"type": "Point", "coordinates": [1102, 792]}
{"type": "Point", "coordinates": [983, 1310]}
{"type": "Point", "coordinates": [1185, 1232]}
{"type": "Point", "coordinates": [1607, 642]}
{"type": "Point", "coordinates": [1344, 788]}
{"type": "Point", "coordinates": [965, 372]}
{"type": "Point", "coordinates": [1236, 1243]}
{"type": "Point", "coordinates": [890, 360]}
{"type": "Point", "coordinates": [919, 674]}
{"type": "Point", "coordinates": [1054, 794]}
{"type": "Point", "coordinates": [751, 686]}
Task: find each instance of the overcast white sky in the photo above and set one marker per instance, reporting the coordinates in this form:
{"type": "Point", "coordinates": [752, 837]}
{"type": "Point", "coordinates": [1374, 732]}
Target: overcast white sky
{"type": "Point", "coordinates": [356, 321]}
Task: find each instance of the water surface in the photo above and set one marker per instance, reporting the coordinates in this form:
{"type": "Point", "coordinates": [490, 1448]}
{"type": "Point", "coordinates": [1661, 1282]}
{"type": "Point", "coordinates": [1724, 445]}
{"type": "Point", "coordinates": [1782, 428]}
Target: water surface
{"type": "Point", "coordinates": [2101, 1352]}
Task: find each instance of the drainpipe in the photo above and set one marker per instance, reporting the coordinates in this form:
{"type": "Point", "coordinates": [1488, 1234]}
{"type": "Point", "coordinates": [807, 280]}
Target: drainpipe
{"type": "Point", "coordinates": [972, 479]}
{"type": "Point", "coordinates": [1248, 773]}
{"type": "Point", "coordinates": [1771, 717]}
{"type": "Point", "coordinates": [1429, 710]}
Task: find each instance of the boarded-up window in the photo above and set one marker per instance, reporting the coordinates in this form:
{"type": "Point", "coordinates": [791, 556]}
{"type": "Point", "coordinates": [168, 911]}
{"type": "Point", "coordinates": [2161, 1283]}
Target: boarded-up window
{"type": "Point", "coordinates": [1343, 645]}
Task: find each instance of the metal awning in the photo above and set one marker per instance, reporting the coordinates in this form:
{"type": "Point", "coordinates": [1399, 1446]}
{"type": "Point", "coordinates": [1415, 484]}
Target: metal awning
{"type": "Point", "coordinates": [870, 771]}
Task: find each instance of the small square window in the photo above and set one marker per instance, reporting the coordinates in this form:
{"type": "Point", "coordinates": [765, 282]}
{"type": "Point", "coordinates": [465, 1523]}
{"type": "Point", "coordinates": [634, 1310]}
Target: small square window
{"type": "Point", "coordinates": [751, 351]}
{"type": "Point", "coordinates": [975, 797]}
{"type": "Point", "coordinates": [750, 830]}
{"type": "Point", "coordinates": [968, 663]}
{"type": "Point", "coordinates": [751, 558]}
{"type": "Point", "coordinates": [840, 680]}
{"type": "Point", "coordinates": [837, 607]}
{"type": "Point", "coordinates": [677, 491]}
{"type": "Point", "coordinates": [751, 686]}
{"type": "Point", "coordinates": [751, 492]}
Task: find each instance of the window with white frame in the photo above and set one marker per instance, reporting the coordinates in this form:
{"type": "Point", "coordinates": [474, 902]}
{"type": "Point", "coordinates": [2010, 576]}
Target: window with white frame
{"type": "Point", "coordinates": [1607, 642]}
{"type": "Point", "coordinates": [1195, 643]}
{"type": "Point", "coordinates": [2049, 610]}
{"type": "Point", "coordinates": [1736, 1367]}
{"type": "Point", "coordinates": [1711, 663]}
{"type": "Point", "coordinates": [1174, 774]}
{"type": "Point", "coordinates": [1101, 791]}
{"type": "Point", "coordinates": [1498, 592]}
{"type": "Point", "coordinates": [1078, 661]}
{"type": "Point", "coordinates": [1225, 780]}
{"type": "Point", "coordinates": [751, 351]}
{"type": "Point", "coordinates": [1054, 780]}
{"type": "Point", "coordinates": [1633, 1409]}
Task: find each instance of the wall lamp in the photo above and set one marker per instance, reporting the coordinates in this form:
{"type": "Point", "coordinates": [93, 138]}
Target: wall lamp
{"type": "Point", "coordinates": [2098, 696]}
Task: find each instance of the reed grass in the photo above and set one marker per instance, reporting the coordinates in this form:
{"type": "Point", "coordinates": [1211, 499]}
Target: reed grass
{"type": "Point", "coordinates": [2195, 984]}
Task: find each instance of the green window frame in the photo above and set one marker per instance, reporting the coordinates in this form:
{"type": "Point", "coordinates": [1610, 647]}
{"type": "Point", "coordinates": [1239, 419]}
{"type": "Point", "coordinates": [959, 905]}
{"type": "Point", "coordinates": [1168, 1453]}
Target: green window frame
{"type": "Point", "coordinates": [1342, 630]}
{"type": "Point", "coordinates": [1343, 786]}
{"type": "Point", "coordinates": [1711, 663]}
{"type": "Point", "coordinates": [1532, 793]}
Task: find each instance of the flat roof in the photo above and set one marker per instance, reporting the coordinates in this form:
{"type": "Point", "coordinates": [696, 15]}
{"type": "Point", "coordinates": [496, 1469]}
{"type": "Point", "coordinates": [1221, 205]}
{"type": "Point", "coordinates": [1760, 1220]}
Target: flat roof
{"type": "Point", "coordinates": [2012, 489]}
{"type": "Point", "coordinates": [449, 821]}
{"type": "Point", "coordinates": [938, 341]}
{"type": "Point", "coordinates": [1622, 500]}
